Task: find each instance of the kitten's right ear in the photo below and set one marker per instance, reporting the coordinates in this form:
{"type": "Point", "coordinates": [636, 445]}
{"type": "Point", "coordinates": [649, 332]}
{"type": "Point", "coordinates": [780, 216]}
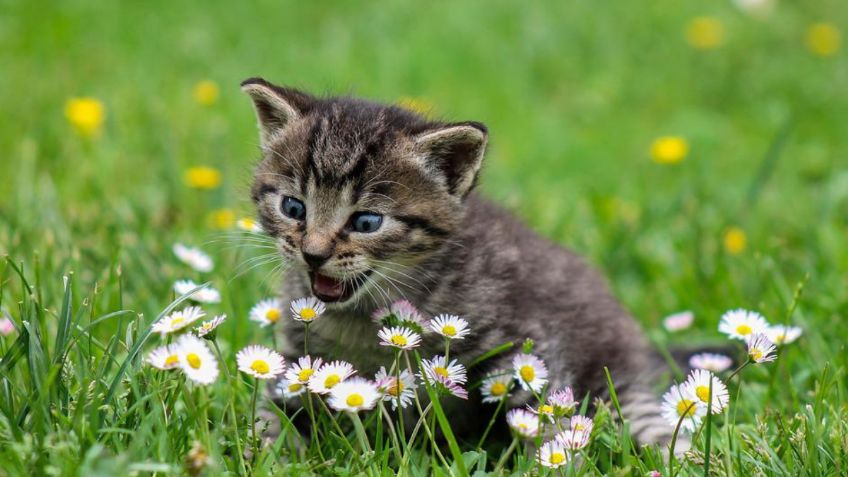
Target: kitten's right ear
{"type": "Point", "coordinates": [275, 106]}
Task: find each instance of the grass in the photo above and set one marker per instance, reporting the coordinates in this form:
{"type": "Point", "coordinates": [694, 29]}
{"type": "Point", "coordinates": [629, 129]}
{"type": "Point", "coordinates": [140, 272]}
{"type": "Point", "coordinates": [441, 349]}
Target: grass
{"type": "Point", "coordinates": [574, 96]}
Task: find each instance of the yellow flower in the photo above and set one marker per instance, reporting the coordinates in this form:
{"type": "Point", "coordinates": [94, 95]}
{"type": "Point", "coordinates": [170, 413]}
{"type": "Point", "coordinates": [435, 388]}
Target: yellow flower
{"type": "Point", "coordinates": [823, 39]}
{"type": "Point", "coordinates": [222, 218]}
{"type": "Point", "coordinates": [669, 149]}
{"type": "Point", "coordinates": [705, 33]}
{"type": "Point", "coordinates": [202, 177]}
{"type": "Point", "coordinates": [86, 115]}
{"type": "Point", "coordinates": [419, 105]}
{"type": "Point", "coordinates": [735, 240]}
{"type": "Point", "coordinates": [206, 93]}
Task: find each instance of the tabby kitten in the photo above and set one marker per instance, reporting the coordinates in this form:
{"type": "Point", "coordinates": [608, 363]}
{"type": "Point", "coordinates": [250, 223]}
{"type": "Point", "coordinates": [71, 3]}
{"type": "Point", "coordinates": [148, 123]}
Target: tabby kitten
{"type": "Point", "coordinates": [370, 203]}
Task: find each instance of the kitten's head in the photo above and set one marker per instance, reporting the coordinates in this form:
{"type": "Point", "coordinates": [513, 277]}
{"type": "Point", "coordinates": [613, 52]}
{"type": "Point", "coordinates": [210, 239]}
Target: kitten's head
{"type": "Point", "coordinates": [356, 192]}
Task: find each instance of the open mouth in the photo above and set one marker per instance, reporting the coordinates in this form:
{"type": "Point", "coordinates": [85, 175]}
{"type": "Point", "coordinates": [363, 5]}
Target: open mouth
{"type": "Point", "coordinates": [334, 290]}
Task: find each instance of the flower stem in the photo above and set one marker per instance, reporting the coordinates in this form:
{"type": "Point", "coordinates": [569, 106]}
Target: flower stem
{"type": "Point", "coordinates": [506, 455]}
{"type": "Point", "coordinates": [252, 429]}
{"type": "Point", "coordinates": [492, 420]}
{"type": "Point", "coordinates": [683, 416]}
{"type": "Point", "coordinates": [231, 405]}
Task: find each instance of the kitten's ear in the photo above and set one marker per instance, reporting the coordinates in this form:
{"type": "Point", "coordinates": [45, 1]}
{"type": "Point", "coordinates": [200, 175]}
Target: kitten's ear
{"type": "Point", "coordinates": [275, 106]}
{"type": "Point", "coordinates": [454, 151]}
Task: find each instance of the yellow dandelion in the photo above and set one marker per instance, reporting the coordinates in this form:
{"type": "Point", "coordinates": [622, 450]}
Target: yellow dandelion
{"type": "Point", "coordinates": [202, 177]}
{"type": "Point", "coordinates": [86, 115]}
{"type": "Point", "coordinates": [419, 105]}
{"type": "Point", "coordinates": [222, 218]}
{"type": "Point", "coordinates": [705, 33]}
{"type": "Point", "coordinates": [669, 149]}
{"type": "Point", "coordinates": [206, 93]}
{"type": "Point", "coordinates": [735, 240]}
{"type": "Point", "coordinates": [823, 39]}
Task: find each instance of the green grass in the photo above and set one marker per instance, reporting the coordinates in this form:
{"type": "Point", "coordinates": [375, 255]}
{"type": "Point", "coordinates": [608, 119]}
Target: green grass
{"type": "Point", "coordinates": [574, 94]}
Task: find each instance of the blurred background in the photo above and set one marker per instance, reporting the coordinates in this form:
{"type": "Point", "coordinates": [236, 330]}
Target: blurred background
{"type": "Point", "coordinates": [694, 150]}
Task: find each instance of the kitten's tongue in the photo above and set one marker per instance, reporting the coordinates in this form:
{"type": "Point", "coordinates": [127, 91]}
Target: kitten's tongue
{"type": "Point", "coordinates": [326, 287]}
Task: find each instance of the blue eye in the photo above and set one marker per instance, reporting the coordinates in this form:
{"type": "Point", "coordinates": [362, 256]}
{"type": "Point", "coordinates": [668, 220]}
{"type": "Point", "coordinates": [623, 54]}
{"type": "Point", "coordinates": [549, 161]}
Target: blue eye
{"type": "Point", "coordinates": [365, 222]}
{"type": "Point", "coordinates": [293, 208]}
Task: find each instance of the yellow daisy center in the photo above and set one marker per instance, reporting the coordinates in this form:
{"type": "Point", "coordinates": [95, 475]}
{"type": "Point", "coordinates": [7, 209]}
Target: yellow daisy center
{"type": "Point", "coordinates": [171, 360]}
{"type": "Point", "coordinates": [703, 393]}
{"type": "Point", "coordinates": [307, 314]}
{"type": "Point", "coordinates": [272, 315]}
{"type": "Point", "coordinates": [332, 380]}
{"type": "Point", "coordinates": [527, 373]}
{"type": "Point", "coordinates": [546, 409]}
{"type": "Point", "coordinates": [355, 400]}
{"type": "Point", "coordinates": [395, 389]}
{"type": "Point", "coordinates": [557, 458]}
{"type": "Point", "coordinates": [522, 426]}
{"type": "Point", "coordinates": [779, 339]}
{"type": "Point", "coordinates": [449, 330]}
{"type": "Point", "coordinates": [578, 427]}
{"type": "Point", "coordinates": [177, 320]}
{"type": "Point", "coordinates": [193, 360]}
{"type": "Point", "coordinates": [755, 354]}
{"type": "Point", "coordinates": [295, 387]}
{"type": "Point", "coordinates": [305, 374]}
{"type": "Point", "coordinates": [260, 366]}
{"type": "Point", "coordinates": [399, 340]}
{"type": "Point", "coordinates": [685, 408]}
{"type": "Point", "coordinates": [498, 389]}
{"type": "Point", "coordinates": [744, 330]}
{"type": "Point", "coordinates": [443, 372]}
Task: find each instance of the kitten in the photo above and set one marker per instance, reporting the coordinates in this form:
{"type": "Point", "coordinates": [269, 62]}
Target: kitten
{"type": "Point", "coordinates": [370, 203]}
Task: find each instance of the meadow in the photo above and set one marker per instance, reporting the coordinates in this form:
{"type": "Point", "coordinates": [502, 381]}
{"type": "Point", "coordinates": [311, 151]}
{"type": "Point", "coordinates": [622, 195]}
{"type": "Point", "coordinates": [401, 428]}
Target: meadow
{"type": "Point", "coordinates": [693, 151]}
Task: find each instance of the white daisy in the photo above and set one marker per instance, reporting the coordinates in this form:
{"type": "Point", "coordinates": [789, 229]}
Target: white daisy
{"type": "Point", "coordinates": [450, 326]}
{"type": "Point", "coordinates": [496, 386]}
{"type": "Point", "coordinates": [739, 324]}
{"type": "Point", "coordinates": [523, 422]}
{"type": "Point", "coordinates": [301, 371]}
{"type": "Point", "coordinates": [164, 357]}
{"type": "Point", "coordinates": [196, 360]}
{"type": "Point", "coordinates": [406, 312]}
{"type": "Point", "coordinates": [193, 257]}
{"type": "Point", "coordinates": [395, 390]}
{"type": "Point", "coordinates": [679, 321]}
{"type": "Point", "coordinates": [207, 327]}
{"type": "Point", "coordinates": [711, 362]}
{"type": "Point", "coordinates": [544, 411]}
{"type": "Point", "coordinates": [207, 294]}
{"type": "Point", "coordinates": [353, 395]}
{"type": "Point", "coordinates": [530, 371]}
{"type": "Point", "coordinates": [581, 424]}
{"type": "Point", "coordinates": [681, 401]}
{"type": "Point", "coordinates": [329, 375]}
{"type": "Point", "coordinates": [552, 454]}
{"type": "Point", "coordinates": [307, 309]}
{"type": "Point", "coordinates": [267, 312]}
{"type": "Point", "coordinates": [760, 349]}
{"type": "Point", "coordinates": [563, 401]}
{"type": "Point", "coordinates": [260, 362]}
{"type": "Point", "coordinates": [437, 367]}
{"type": "Point", "coordinates": [573, 439]}
{"type": "Point", "coordinates": [399, 337]}
{"type": "Point", "coordinates": [178, 320]}
{"type": "Point", "coordinates": [288, 389]}
{"type": "Point", "coordinates": [248, 225]}
{"type": "Point", "coordinates": [781, 335]}
{"type": "Point", "coordinates": [699, 382]}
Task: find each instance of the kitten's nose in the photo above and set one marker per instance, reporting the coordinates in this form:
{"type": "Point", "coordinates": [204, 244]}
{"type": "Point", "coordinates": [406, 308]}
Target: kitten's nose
{"type": "Point", "coordinates": [315, 260]}
{"type": "Point", "coordinates": [317, 248]}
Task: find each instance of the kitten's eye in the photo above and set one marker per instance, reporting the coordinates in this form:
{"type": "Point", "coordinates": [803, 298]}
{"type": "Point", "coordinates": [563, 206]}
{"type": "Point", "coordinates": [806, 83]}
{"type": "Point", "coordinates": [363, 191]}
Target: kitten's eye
{"type": "Point", "coordinates": [365, 222]}
{"type": "Point", "coordinates": [293, 208]}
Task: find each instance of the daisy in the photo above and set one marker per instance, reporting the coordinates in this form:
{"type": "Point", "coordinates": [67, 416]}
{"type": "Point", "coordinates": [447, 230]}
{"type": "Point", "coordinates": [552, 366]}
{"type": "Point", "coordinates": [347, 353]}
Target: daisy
{"type": "Point", "coordinates": [206, 294]}
{"type": "Point", "coordinates": [6, 326]}
{"type": "Point", "coordinates": [679, 321]}
{"type": "Point", "coordinates": [699, 381]}
{"type": "Point", "coordinates": [178, 320]}
{"type": "Point", "coordinates": [496, 386]}
{"type": "Point", "coordinates": [407, 313]}
{"type": "Point", "coordinates": [164, 357]}
{"type": "Point", "coordinates": [552, 454]}
{"type": "Point", "coordinates": [267, 312]}
{"type": "Point", "coordinates": [711, 362]}
{"type": "Point", "coordinates": [451, 327]}
{"type": "Point", "coordinates": [760, 349]}
{"type": "Point", "coordinates": [260, 362]}
{"type": "Point", "coordinates": [193, 257]}
{"type": "Point", "coordinates": [353, 395]}
{"type": "Point", "coordinates": [523, 422]}
{"type": "Point", "coordinates": [288, 389]}
{"type": "Point", "coordinates": [307, 309]}
{"type": "Point", "coordinates": [530, 372]}
{"type": "Point", "coordinates": [781, 335]}
{"type": "Point", "coordinates": [399, 337]}
{"type": "Point", "coordinates": [438, 368]}
{"type": "Point", "coordinates": [196, 361]}
{"type": "Point", "coordinates": [581, 424]}
{"type": "Point", "coordinates": [207, 327]}
{"type": "Point", "coordinates": [681, 401]}
{"type": "Point", "coordinates": [573, 439]}
{"type": "Point", "coordinates": [544, 411]}
{"type": "Point", "coordinates": [301, 371]}
{"type": "Point", "coordinates": [739, 324]}
{"type": "Point", "coordinates": [329, 375]}
{"type": "Point", "coordinates": [563, 401]}
{"type": "Point", "coordinates": [395, 390]}
{"type": "Point", "coordinates": [248, 225]}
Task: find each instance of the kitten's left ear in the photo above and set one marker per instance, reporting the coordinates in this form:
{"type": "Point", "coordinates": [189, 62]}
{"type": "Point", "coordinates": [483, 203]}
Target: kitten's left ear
{"type": "Point", "coordinates": [276, 106]}
{"type": "Point", "coordinates": [455, 152]}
